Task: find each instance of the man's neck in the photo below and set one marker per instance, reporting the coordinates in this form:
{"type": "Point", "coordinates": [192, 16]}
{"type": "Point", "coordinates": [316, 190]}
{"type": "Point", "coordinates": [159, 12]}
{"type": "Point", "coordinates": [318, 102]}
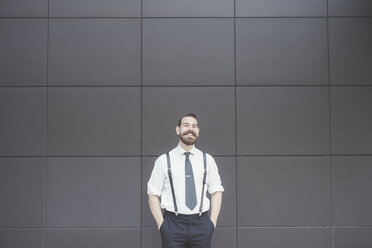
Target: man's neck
{"type": "Point", "coordinates": [187, 148]}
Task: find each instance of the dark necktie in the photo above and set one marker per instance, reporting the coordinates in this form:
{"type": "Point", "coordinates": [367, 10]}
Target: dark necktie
{"type": "Point", "coordinates": [190, 193]}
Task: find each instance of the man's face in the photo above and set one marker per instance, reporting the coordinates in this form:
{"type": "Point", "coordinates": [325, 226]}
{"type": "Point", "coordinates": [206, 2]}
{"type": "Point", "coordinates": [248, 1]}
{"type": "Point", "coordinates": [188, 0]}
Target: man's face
{"type": "Point", "coordinates": [188, 131]}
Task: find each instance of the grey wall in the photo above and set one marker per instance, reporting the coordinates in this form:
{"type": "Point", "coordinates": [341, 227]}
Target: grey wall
{"type": "Point", "coordinates": [90, 93]}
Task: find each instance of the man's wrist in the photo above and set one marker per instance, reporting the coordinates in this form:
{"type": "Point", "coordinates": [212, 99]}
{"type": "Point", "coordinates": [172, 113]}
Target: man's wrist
{"type": "Point", "coordinates": [159, 224]}
{"type": "Point", "coordinates": [213, 219]}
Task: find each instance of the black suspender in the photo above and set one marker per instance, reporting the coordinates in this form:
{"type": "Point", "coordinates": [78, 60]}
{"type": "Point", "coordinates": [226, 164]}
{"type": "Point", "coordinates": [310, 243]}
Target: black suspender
{"type": "Point", "coordinates": [171, 184]}
{"type": "Point", "coordinates": [172, 188]}
{"type": "Point", "coordinates": [205, 175]}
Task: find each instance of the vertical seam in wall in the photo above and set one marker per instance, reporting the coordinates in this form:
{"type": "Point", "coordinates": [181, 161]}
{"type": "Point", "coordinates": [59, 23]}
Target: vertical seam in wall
{"type": "Point", "coordinates": [141, 183]}
{"type": "Point", "coordinates": [46, 134]}
{"type": "Point", "coordinates": [330, 129]}
{"type": "Point", "coordinates": [236, 135]}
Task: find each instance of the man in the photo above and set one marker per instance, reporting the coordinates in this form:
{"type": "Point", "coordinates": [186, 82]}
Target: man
{"type": "Point", "coordinates": [181, 178]}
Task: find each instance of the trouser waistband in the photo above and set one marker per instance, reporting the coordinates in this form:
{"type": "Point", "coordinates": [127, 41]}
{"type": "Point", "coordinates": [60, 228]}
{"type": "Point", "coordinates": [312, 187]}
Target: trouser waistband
{"type": "Point", "coordinates": [185, 216]}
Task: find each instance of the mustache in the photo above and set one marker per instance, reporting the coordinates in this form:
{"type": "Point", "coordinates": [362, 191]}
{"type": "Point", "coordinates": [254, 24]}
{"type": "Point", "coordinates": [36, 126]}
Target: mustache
{"type": "Point", "coordinates": [186, 133]}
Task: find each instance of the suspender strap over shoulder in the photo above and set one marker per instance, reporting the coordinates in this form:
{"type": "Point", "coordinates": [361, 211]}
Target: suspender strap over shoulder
{"type": "Point", "coordinates": [171, 184]}
{"type": "Point", "coordinates": [204, 177]}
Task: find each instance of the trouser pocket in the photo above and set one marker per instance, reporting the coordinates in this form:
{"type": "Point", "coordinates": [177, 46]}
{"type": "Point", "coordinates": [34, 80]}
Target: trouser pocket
{"type": "Point", "coordinates": [210, 222]}
{"type": "Point", "coordinates": [163, 224]}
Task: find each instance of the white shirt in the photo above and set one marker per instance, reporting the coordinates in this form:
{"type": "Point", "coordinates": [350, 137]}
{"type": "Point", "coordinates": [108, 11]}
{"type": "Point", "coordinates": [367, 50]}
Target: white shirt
{"type": "Point", "coordinates": [159, 181]}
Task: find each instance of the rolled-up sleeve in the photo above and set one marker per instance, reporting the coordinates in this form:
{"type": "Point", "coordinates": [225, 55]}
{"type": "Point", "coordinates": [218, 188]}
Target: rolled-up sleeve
{"type": "Point", "coordinates": [156, 181]}
{"type": "Point", "coordinates": [214, 180]}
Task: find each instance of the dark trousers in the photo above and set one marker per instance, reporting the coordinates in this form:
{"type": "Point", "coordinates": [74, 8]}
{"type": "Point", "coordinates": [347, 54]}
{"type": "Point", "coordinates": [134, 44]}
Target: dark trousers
{"type": "Point", "coordinates": [186, 231]}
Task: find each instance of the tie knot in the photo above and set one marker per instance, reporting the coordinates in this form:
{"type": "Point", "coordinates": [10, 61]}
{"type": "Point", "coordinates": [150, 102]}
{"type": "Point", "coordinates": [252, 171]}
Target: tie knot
{"type": "Point", "coordinates": [187, 154]}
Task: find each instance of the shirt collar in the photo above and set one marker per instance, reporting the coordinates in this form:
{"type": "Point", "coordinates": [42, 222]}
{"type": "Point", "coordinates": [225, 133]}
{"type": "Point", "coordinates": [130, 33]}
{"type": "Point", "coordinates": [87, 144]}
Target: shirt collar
{"type": "Point", "coordinates": [182, 151]}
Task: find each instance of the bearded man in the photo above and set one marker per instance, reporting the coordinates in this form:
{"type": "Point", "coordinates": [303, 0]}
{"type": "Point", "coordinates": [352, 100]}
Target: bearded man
{"type": "Point", "coordinates": [177, 191]}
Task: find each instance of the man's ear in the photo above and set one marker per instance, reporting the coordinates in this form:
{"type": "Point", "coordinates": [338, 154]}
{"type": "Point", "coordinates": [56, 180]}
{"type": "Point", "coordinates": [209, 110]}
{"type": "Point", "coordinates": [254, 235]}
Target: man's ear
{"type": "Point", "coordinates": [178, 130]}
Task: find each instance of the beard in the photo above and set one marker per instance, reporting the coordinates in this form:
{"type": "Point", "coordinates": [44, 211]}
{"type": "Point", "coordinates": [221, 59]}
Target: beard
{"type": "Point", "coordinates": [188, 140]}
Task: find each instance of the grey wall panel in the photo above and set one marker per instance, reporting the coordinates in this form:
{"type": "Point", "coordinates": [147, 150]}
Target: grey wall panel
{"type": "Point", "coordinates": [353, 237]}
{"type": "Point", "coordinates": [23, 8]}
{"type": "Point", "coordinates": [281, 51]}
{"type": "Point", "coordinates": [94, 52]}
{"type": "Point", "coordinates": [352, 202]}
{"type": "Point", "coordinates": [252, 8]}
{"type": "Point", "coordinates": [95, 8]}
{"type": "Point", "coordinates": [350, 51]}
{"type": "Point", "coordinates": [87, 238]}
{"type": "Point", "coordinates": [23, 49]}
{"type": "Point", "coordinates": [147, 219]}
{"type": "Point", "coordinates": [22, 192]}
{"type": "Point", "coordinates": [22, 237]}
{"type": "Point", "coordinates": [227, 170]}
{"type": "Point", "coordinates": [282, 120]}
{"type": "Point", "coordinates": [351, 120]}
{"type": "Point", "coordinates": [163, 106]}
{"type": "Point", "coordinates": [151, 238]}
{"type": "Point", "coordinates": [192, 8]}
{"type": "Point", "coordinates": [94, 121]}
{"type": "Point", "coordinates": [190, 51]}
{"type": "Point", "coordinates": [23, 121]}
{"type": "Point", "coordinates": [285, 237]}
{"type": "Point", "coordinates": [224, 237]}
{"type": "Point", "coordinates": [349, 7]}
{"type": "Point", "coordinates": [93, 192]}
{"type": "Point", "coordinates": [284, 191]}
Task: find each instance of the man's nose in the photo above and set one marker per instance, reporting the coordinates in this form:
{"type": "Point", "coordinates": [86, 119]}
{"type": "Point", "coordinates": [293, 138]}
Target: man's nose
{"type": "Point", "coordinates": [190, 129]}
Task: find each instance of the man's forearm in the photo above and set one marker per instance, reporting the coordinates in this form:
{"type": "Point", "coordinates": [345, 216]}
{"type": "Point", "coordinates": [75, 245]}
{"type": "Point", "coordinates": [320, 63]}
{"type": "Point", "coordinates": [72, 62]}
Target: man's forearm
{"type": "Point", "coordinates": [216, 201]}
{"type": "Point", "coordinates": [155, 208]}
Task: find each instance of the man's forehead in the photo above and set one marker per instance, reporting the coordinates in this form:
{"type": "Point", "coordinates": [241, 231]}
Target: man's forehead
{"type": "Point", "coordinates": [189, 120]}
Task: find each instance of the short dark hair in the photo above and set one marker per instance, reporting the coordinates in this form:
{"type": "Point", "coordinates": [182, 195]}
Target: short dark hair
{"type": "Point", "coordinates": [187, 115]}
